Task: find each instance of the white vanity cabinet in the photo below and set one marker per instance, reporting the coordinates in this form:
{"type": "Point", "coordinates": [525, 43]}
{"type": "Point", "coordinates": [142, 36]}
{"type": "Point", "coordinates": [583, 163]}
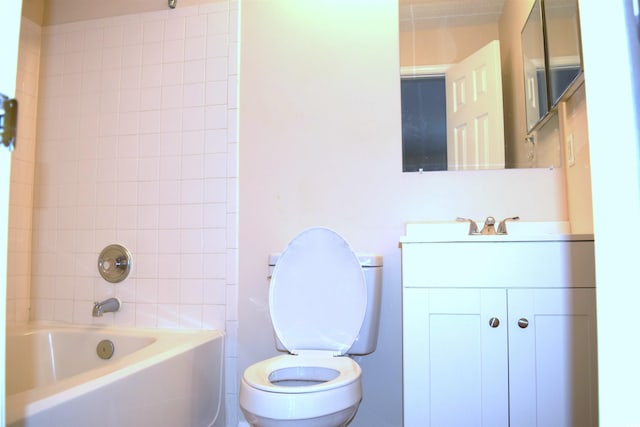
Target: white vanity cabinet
{"type": "Point", "coordinates": [499, 333]}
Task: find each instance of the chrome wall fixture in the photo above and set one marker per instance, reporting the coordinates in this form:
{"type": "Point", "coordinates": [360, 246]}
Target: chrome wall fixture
{"type": "Point", "coordinates": [114, 263]}
{"type": "Point", "coordinates": [172, 4]}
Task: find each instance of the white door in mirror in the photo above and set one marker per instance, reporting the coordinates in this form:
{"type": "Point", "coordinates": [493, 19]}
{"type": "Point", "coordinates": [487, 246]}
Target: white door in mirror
{"type": "Point", "coordinates": [475, 123]}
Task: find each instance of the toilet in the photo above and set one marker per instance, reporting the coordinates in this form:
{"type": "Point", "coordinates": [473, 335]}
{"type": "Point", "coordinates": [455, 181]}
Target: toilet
{"type": "Point", "coordinates": [324, 302]}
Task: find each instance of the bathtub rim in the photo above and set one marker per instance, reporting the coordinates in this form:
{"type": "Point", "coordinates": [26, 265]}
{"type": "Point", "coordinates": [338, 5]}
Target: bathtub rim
{"type": "Point", "coordinates": [32, 401]}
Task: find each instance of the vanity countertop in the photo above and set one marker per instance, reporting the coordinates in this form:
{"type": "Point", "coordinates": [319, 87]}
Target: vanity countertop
{"type": "Point", "coordinates": [518, 231]}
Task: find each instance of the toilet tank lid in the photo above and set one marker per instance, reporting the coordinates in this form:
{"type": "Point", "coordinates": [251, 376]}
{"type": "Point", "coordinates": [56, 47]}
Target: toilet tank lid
{"type": "Point", "coordinates": [366, 259]}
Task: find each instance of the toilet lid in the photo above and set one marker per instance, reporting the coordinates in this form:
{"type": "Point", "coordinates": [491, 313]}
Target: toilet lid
{"type": "Point", "coordinates": [317, 295]}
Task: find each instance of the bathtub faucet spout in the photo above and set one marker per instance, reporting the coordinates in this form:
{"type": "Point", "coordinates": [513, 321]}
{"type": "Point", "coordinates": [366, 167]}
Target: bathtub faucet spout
{"type": "Point", "coordinates": [107, 306]}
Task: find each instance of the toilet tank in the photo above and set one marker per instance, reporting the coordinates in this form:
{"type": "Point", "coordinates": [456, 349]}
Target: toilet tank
{"type": "Point", "coordinates": [367, 339]}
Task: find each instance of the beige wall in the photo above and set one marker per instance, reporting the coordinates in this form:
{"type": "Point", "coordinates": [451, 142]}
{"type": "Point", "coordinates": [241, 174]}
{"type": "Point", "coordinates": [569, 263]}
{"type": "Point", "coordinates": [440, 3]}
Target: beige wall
{"type": "Point", "coordinates": [514, 16]}
{"type": "Point", "coordinates": [574, 131]}
{"type": "Point", "coordinates": [320, 145]}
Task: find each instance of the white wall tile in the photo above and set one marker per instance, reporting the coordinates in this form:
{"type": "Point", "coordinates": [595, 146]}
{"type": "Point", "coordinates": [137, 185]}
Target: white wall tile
{"type": "Point", "coordinates": [213, 316]}
{"type": "Point", "coordinates": [113, 36]}
{"type": "Point", "coordinates": [193, 142]}
{"type": "Point", "coordinates": [192, 167]}
{"type": "Point", "coordinates": [173, 51]}
{"type": "Point", "coordinates": [196, 26]}
{"type": "Point", "coordinates": [193, 118]}
{"type": "Point", "coordinates": [215, 215]}
{"type": "Point", "coordinates": [216, 141]}
{"type": "Point", "coordinates": [152, 53]}
{"type": "Point", "coordinates": [132, 33]}
{"type": "Point", "coordinates": [168, 290]}
{"type": "Point", "coordinates": [218, 23]}
{"type": "Point", "coordinates": [216, 92]}
{"type": "Point", "coordinates": [191, 241]}
{"type": "Point", "coordinates": [216, 69]}
{"type": "Point", "coordinates": [191, 216]}
{"type": "Point", "coordinates": [194, 71]}
{"type": "Point", "coordinates": [169, 216]}
{"type": "Point", "coordinates": [174, 28]}
{"type": "Point", "coordinates": [194, 95]}
{"type": "Point", "coordinates": [195, 48]}
{"type": "Point", "coordinates": [214, 291]}
{"type": "Point", "coordinates": [153, 31]}
{"type": "Point", "coordinates": [168, 316]}
{"type": "Point", "coordinates": [191, 291]}
{"type": "Point", "coordinates": [131, 77]}
{"type": "Point", "coordinates": [216, 117]}
{"type": "Point", "coordinates": [172, 73]}
{"type": "Point", "coordinates": [217, 45]}
{"type": "Point", "coordinates": [146, 315]}
{"type": "Point", "coordinates": [150, 97]}
{"type": "Point", "coordinates": [190, 316]}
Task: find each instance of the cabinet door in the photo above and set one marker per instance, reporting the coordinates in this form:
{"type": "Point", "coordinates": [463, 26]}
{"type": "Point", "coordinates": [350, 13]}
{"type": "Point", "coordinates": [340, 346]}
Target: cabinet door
{"type": "Point", "coordinates": [552, 358]}
{"type": "Point", "coordinates": [455, 362]}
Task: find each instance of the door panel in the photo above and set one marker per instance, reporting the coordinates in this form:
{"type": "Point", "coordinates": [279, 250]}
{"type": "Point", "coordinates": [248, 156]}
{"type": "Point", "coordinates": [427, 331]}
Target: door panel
{"type": "Point", "coordinates": [475, 123]}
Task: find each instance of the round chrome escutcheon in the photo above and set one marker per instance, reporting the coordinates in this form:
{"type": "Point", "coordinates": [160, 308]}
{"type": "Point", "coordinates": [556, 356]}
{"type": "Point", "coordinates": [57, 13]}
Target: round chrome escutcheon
{"type": "Point", "coordinates": [114, 263]}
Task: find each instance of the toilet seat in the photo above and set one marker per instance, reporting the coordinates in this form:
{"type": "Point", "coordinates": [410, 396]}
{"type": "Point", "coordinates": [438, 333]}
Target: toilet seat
{"type": "Point", "coordinates": [304, 367]}
{"type": "Point", "coordinates": [318, 295]}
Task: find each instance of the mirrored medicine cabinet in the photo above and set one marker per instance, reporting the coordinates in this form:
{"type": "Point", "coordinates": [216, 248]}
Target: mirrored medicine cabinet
{"type": "Point", "coordinates": [551, 56]}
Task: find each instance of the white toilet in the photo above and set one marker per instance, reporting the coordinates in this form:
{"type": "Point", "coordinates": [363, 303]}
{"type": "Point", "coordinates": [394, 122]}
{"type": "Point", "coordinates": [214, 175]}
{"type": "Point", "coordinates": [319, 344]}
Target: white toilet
{"type": "Point", "coordinates": [324, 302]}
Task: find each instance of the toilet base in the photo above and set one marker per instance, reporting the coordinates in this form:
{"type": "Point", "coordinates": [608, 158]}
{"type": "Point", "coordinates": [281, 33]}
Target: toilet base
{"type": "Point", "coordinates": [337, 419]}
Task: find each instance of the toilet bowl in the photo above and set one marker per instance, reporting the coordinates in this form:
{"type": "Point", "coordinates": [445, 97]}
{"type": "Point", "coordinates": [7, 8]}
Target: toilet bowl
{"type": "Point", "coordinates": [302, 390]}
{"type": "Point", "coordinates": [318, 301]}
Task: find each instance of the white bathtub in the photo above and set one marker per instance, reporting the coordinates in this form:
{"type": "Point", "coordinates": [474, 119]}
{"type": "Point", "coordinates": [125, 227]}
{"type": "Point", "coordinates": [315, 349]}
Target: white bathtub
{"type": "Point", "coordinates": [154, 378]}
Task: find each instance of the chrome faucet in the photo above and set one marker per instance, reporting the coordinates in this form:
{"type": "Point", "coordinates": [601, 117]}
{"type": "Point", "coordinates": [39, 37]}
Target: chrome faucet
{"type": "Point", "coordinates": [489, 228]}
{"type": "Point", "coordinates": [107, 306]}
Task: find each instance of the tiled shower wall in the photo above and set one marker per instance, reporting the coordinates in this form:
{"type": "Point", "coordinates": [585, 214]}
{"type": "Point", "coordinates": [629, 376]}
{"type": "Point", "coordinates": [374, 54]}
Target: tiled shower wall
{"type": "Point", "coordinates": [137, 145]}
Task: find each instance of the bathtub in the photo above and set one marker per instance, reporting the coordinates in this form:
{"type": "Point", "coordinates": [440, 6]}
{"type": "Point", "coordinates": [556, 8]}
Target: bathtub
{"type": "Point", "coordinates": [54, 377]}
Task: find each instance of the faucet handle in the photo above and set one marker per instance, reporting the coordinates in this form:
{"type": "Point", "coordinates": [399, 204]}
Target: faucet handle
{"type": "Point", "coordinates": [502, 227]}
{"type": "Point", "coordinates": [488, 228]}
{"type": "Point", "coordinates": [473, 226]}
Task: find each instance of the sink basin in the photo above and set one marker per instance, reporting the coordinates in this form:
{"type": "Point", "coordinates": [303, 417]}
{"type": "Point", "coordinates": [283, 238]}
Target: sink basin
{"type": "Point", "coordinates": [454, 231]}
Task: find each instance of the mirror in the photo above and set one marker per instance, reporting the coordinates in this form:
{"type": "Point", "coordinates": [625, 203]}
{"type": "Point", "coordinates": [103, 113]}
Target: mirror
{"type": "Point", "coordinates": [551, 57]}
{"type": "Point", "coordinates": [563, 45]}
{"type": "Point", "coordinates": [534, 67]}
{"type": "Point", "coordinates": [436, 34]}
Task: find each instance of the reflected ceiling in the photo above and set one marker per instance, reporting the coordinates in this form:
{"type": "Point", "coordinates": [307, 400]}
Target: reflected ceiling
{"type": "Point", "coordinates": [431, 13]}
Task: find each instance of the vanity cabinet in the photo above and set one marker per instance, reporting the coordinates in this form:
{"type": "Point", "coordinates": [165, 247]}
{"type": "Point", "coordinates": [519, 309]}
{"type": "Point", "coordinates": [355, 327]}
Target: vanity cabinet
{"type": "Point", "coordinates": [499, 333]}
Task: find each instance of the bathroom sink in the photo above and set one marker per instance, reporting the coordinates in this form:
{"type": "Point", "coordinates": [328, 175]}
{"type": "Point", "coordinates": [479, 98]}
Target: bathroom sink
{"type": "Point", "coordinates": [455, 231]}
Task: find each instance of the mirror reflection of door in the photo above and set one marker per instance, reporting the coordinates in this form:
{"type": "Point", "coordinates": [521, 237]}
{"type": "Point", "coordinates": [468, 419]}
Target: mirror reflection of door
{"type": "Point", "coordinates": [452, 116]}
{"type": "Point", "coordinates": [475, 122]}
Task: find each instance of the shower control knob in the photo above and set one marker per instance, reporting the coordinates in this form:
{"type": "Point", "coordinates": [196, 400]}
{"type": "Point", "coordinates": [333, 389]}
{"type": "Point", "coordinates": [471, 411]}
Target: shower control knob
{"type": "Point", "coordinates": [494, 322]}
{"type": "Point", "coordinates": [523, 323]}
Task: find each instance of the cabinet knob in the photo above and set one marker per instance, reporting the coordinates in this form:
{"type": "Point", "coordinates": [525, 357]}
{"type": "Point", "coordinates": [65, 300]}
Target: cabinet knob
{"type": "Point", "coordinates": [494, 322]}
{"type": "Point", "coordinates": [523, 323]}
